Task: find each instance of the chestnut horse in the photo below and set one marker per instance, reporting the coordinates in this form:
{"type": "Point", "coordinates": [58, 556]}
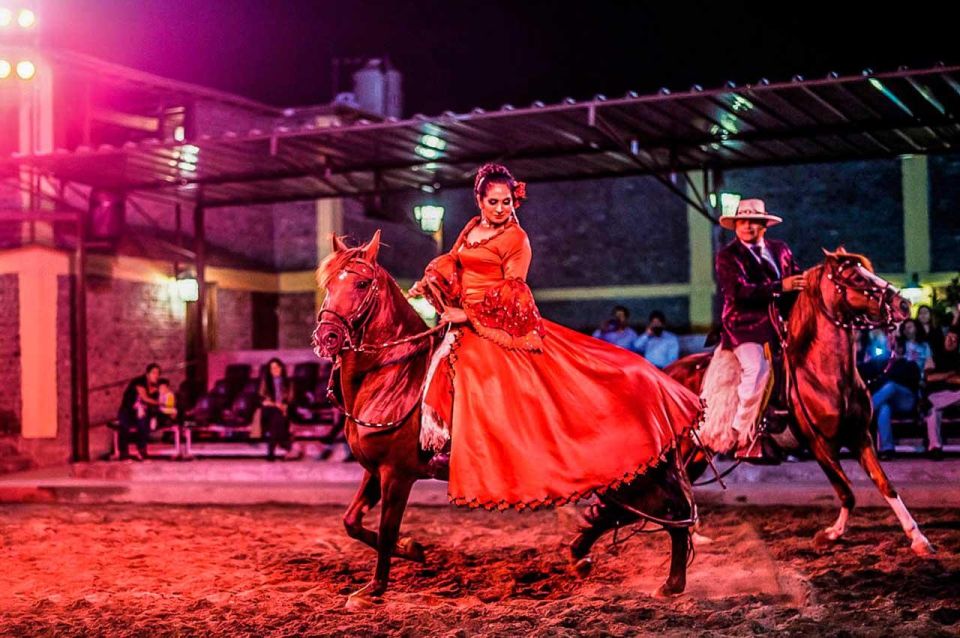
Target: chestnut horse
{"type": "Point", "coordinates": [829, 403]}
{"type": "Point", "coordinates": [381, 349]}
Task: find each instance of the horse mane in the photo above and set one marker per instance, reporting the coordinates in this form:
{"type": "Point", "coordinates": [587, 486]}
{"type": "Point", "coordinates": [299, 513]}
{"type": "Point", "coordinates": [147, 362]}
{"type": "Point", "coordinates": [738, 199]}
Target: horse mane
{"type": "Point", "coordinates": [802, 318]}
{"type": "Point", "coordinates": [805, 310]}
{"type": "Point", "coordinates": [334, 263]}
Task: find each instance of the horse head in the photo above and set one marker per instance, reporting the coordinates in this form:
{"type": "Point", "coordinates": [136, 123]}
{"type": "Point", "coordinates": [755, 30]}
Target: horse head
{"type": "Point", "coordinates": [854, 296]}
{"type": "Point", "coordinates": [354, 283]}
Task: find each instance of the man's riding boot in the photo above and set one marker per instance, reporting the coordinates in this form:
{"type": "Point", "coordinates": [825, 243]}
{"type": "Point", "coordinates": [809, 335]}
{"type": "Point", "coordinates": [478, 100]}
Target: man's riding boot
{"type": "Point", "coordinates": [761, 451]}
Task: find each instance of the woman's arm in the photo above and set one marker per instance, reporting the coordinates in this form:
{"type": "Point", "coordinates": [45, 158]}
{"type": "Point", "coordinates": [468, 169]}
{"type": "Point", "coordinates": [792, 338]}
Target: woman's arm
{"type": "Point", "coordinates": [508, 314]}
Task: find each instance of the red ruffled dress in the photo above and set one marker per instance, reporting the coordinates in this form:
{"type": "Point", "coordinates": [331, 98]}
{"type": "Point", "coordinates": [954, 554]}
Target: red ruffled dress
{"type": "Point", "coordinates": [537, 414]}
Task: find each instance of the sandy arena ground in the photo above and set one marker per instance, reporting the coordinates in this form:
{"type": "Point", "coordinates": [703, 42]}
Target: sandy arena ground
{"type": "Point", "coordinates": [126, 570]}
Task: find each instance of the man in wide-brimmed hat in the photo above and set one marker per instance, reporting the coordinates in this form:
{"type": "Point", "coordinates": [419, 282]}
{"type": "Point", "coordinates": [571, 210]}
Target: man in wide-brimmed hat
{"type": "Point", "coordinates": [752, 272]}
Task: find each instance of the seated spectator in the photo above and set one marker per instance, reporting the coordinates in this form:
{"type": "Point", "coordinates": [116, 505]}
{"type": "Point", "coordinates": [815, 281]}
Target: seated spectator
{"type": "Point", "coordinates": [167, 403]}
{"type": "Point", "coordinates": [873, 354]}
{"type": "Point", "coordinates": [943, 391]}
{"type": "Point", "coordinates": [899, 391]}
{"type": "Point", "coordinates": [138, 405]}
{"type": "Point", "coordinates": [617, 330]}
{"type": "Point", "coordinates": [659, 346]}
{"type": "Point", "coordinates": [276, 394]}
{"type": "Point", "coordinates": [929, 332]}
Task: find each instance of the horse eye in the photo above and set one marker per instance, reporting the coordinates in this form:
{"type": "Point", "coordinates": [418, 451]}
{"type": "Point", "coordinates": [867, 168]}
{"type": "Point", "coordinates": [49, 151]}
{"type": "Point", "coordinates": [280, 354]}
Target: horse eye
{"type": "Point", "coordinates": [363, 284]}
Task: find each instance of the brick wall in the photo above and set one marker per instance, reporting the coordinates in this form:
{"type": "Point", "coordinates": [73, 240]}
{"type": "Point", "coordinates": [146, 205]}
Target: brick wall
{"type": "Point", "coordinates": [295, 236]}
{"type": "Point", "coordinates": [234, 320]}
{"type": "Point", "coordinates": [297, 320]}
{"type": "Point", "coordinates": [856, 204]}
{"type": "Point", "coordinates": [944, 212]}
{"type": "Point", "coordinates": [10, 398]}
{"type": "Point", "coordinates": [130, 324]}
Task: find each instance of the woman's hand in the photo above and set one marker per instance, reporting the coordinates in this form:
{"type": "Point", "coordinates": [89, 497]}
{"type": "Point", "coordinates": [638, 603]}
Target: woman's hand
{"type": "Point", "coordinates": [453, 315]}
{"type": "Point", "coordinates": [416, 290]}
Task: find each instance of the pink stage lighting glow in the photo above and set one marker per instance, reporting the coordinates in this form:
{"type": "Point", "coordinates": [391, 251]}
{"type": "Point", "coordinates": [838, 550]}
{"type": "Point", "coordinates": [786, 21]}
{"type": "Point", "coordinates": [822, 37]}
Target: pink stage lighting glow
{"type": "Point", "coordinates": [26, 19]}
{"type": "Point", "coordinates": [26, 70]}
{"type": "Point", "coordinates": [5, 69]}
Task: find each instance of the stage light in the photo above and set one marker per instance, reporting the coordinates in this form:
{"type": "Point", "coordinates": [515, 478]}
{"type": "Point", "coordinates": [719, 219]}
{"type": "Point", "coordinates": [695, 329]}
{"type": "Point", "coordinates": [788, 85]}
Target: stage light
{"type": "Point", "coordinates": [26, 19]}
{"type": "Point", "coordinates": [6, 17]}
{"type": "Point", "coordinates": [188, 289]}
{"type": "Point", "coordinates": [26, 70]}
{"type": "Point", "coordinates": [5, 69]}
{"type": "Point", "coordinates": [430, 218]}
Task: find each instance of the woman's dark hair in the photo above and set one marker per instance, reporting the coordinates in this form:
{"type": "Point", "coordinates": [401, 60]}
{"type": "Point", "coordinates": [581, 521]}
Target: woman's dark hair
{"type": "Point", "coordinates": [283, 368]}
{"type": "Point", "coordinates": [151, 366]}
{"type": "Point", "coordinates": [498, 174]}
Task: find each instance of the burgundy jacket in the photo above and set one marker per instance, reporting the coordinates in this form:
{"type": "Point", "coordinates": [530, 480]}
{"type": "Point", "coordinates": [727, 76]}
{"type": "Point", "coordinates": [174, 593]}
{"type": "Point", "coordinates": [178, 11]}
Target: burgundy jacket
{"type": "Point", "coordinates": [747, 287]}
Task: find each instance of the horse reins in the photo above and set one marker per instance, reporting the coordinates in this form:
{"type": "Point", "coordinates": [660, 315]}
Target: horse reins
{"type": "Point", "coordinates": [877, 293]}
{"type": "Point", "coordinates": [358, 318]}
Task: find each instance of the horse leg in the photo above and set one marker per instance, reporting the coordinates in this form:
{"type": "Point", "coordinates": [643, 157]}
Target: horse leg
{"type": "Point", "coordinates": [830, 463]}
{"type": "Point", "coordinates": [368, 495]}
{"type": "Point", "coordinates": [679, 552]}
{"type": "Point", "coordinates": [396, 491]}
{"type": "Point", "coordinates": [599, 519]}
{"type": "Point", "coordinates": [871, 465]}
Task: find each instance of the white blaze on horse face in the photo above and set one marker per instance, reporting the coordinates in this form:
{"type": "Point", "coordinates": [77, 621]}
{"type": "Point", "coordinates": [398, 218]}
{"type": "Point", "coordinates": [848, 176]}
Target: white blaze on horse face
{"type": "Point", "coordinates": [342, 275]}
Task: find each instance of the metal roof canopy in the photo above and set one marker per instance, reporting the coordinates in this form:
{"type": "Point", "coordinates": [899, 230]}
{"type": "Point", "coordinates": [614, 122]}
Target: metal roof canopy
{"type": "Point", "coordinates": [868, 116]}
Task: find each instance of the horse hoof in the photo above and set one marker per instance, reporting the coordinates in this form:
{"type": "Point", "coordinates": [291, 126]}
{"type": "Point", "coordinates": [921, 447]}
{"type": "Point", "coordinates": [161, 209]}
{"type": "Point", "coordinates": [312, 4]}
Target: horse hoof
{"type": "Point", "coordinates": [364, 598]}
{"type": "Point", "coordinates": [699, 539]}
{"type": "Point", "coordinates": [583, 567]}
{"type": "Point", "coordinates": [824, 539]}
{"type": "Point", "coordinates": [922, 547]}
{"type": "Point", "coordinates": [667, 590]}
{"type": "Point", "coordinates": [411, 550]}
{"type": "Point", "coordinates": [359, 601]}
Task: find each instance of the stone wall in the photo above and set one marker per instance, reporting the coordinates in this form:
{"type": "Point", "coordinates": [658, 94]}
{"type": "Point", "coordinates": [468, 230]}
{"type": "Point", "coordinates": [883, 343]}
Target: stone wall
{"type": "Point", "coordinates": [10, 399]}
{"type": "Point", "coordinates": [297, 320]}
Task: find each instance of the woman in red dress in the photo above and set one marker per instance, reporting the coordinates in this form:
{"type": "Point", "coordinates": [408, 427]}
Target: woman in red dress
{"type": "Point", "coordinates": [536, 414]}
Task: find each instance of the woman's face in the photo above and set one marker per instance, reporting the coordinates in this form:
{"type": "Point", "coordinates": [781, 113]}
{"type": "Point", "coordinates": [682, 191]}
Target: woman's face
{"type": "Point", "coordinates": [496, 205]}
{"type": "Point", "coordinates": [910, 330]}
{"type": "Point", "coordinates": [275, 369]}
{"type": "Point", "coordinates": [923, 316]}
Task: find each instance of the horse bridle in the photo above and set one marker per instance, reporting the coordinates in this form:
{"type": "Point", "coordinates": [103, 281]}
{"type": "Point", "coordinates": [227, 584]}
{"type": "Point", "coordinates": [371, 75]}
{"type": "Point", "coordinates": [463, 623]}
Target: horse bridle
{"type": "Point", "coordinates": [882, 295]}
{"type": "Point", "coordinates": [347, 326]}
{"type": "Point", "coordinates": [356, 323]}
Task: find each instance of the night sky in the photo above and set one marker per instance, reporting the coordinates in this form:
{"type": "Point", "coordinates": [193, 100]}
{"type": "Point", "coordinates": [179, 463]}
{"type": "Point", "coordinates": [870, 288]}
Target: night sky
{"type": "Point", "coordinates": [459, 54]}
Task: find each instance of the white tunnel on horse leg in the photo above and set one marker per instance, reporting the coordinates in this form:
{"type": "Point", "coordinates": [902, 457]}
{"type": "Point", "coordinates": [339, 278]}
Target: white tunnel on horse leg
{"type": "Point", "coordinates": [839, 527]}
{"type": "Point", "coordinates": [918, 542]}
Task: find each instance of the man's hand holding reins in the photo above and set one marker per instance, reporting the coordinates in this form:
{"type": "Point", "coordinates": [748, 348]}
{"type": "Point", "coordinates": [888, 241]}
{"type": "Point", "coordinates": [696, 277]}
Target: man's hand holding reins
{"type": "Point", "coordinates": [794, 282]}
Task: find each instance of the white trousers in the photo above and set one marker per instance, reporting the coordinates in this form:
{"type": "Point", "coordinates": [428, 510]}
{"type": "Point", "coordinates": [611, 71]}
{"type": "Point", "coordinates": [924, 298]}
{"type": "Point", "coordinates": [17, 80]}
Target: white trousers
{"type": "Point", "coordinates": [940, 400]}
{"type": "Point", "coordinates": [755, 373]}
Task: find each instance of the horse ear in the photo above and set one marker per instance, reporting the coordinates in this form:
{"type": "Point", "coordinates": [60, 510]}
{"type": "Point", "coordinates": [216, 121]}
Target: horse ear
{"type": "Point", "coordinates": [842, 251]}
{"type": "Point", "coordinates": [372, 248]}
{"type": "Point", "coordinates": [338, 243]}
{"type": "Point", "coordinates": [827, 253]}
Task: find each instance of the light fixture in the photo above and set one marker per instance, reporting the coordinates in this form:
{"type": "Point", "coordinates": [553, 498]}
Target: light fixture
{"type": "Point", "coordinates": [6, 17]}
{"type": "Point", "coordinates": [179, 134]}
{"type": "Point", "coordinates": [429, 217]}
{"type": "Point", "coordinates": [728, 202]}
{"type": "Point", "coordinates": [913, 291]}
{"type": "Point", "coordinates": [188, 288]}
{"type": "Point", "coordinates": [26, 70]}
{"type": "Point", "coordinates": [5, 69]}
{"type": "Point", "coordinates": [26, 19]}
